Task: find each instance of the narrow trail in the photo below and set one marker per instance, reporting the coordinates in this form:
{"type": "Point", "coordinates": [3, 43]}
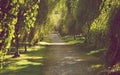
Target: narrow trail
{"type": "Point", "coordinates": [66, 60]}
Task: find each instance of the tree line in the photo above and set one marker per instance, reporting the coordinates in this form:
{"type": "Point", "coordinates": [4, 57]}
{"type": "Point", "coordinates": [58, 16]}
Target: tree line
{"type": "Point", "coordinates": [29, 21]}
{"type": "Point", "coordinates": [98, 21]}
{"type": "Point", "coordinates": [22, 22]}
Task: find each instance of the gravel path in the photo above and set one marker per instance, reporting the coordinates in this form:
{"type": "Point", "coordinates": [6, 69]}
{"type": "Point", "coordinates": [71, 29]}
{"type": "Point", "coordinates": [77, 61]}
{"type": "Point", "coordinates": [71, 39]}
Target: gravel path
{"type": "Point", "coordinates": [66, 60]}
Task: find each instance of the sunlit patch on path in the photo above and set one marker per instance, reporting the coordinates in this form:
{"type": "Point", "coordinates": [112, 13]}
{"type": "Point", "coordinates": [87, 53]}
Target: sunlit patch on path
{"type": "Point", "coordinates": [45, 43]}
{"type": "Point", "coordinates": [55, 41]}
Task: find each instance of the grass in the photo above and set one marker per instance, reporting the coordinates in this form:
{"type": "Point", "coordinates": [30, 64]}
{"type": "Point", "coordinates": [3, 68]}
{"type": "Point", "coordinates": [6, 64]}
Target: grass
{"type": "Point", "coordinates": [71, 40]}
{"type": "Point", "coordinates": [29, 63]}
{"type": "Point", "coordinates": [88, 49]}
{"type": "Point", "coordinates": [97, 52]}
{"type": "Point", "coordinates": [45, 41]}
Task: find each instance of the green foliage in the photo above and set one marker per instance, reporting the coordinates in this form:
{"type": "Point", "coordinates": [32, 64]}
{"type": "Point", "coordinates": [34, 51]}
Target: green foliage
{"type": "Point", "coordinates": [71, 40]}
{"type": "Point", "coordinates": [27, 17]}
{"type": "Point", "coordinates": [44, 23]}
{"type": "Point", "coordinates": [78, 15]}
{"type": "Point", "coordinates": [33, 20]}
{"type": "Point", "coordinates": [8, 16]}
{"type": "Point", "coordinates": [96, 21]}
{"type": "Point", "coordinates": [100, 26]}
{"type": "Point", "coordinates": [9, 11]}
{"type": "Point", "coordinates": [30, 14]}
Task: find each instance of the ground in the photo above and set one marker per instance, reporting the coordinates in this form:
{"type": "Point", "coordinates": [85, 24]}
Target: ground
{"type": "Point", "coordinates": [65, 59]}
{"type": "Point", "coordinates": [55, 58]}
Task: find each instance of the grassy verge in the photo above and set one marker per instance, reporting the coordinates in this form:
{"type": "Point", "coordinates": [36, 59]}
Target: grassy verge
{"type": "Point", "coordinates": [90, 50]}
{"type": "Point", "coordinates": [45, 41]}
{"type": "Point", "coordinates": [71, 40]}
{"type": "Point", "coordinates": [29, 63]}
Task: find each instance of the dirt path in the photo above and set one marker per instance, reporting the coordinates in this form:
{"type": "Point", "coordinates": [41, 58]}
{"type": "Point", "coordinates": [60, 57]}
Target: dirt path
{"type": "Point", "coordinates": [66, 60]}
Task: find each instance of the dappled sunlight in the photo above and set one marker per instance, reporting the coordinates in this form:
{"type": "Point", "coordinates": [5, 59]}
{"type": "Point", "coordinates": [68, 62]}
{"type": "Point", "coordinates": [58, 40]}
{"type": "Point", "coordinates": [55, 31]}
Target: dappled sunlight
{"type": "Point", "coordinates": [33, 48]}
{"type": "Point", "coordinates": [97, 52]}
{"type": "Point", "coordinates": [75, 42]}
{"type": "Point", "coordinates": [59, 37]}
{"type": "Point", "coordinates": [26, 62]}
{"type": "Point", "coordinates": [16, 67]}
{"type": "Point", "coordinates": [116, 68]}
{"type": "Point", "coordinates": [57, 44]}
{"type": "Point", "coordinates": [56, 40]}
{"type": "Point", "coordinates": [16, 64]}
{"type": "Point", "coordinates": [71, 40]}
{"type": "Point", "coordinates": [71, 60]}
{"type": "Point", "coordinates": [74, 58]}
{"type": "Point", "coordinates": [24, 56]}
{"type": "Point", "coordinates": [92, 52]}
{"type": "Point", "coordinates": [45, 43]}
{"type": "Point", "coordinates": [31, 61]}
{"type": "Point", "coordinates": [83, 58]}
{"type": "Point", "coordinates": [95, 66]}
{"type": "Point", "coordinates": [23, 61]}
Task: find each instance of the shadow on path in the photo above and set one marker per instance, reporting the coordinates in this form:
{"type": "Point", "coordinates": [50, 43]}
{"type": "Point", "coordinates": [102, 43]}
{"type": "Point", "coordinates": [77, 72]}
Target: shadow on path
{"type": "Point", "coordinates": [66, 60]}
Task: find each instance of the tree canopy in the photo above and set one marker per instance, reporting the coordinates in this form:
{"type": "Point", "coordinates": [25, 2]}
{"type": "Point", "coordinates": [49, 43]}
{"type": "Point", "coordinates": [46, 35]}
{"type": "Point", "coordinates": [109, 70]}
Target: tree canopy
{"type": "Point", "coordinates": [32, 20]}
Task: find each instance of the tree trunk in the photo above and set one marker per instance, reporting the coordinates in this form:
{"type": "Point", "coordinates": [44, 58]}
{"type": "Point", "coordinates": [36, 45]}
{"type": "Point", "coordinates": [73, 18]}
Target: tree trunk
{"type": "Point", "coordinates": [17, 53]}
{"type": "Point", "coordinates": [74, 37]}
{"type": "Point", "coordinates": [25, 47]}
{"type": "Point", "coordinates": [87, 36]}
{"type": "Point", "coordinates": [113, 54]}
{"type": "Point", "coordinates": [17, 26]}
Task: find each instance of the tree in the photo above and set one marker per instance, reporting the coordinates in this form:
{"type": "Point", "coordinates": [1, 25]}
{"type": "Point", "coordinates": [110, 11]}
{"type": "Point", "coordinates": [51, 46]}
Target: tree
{"type": "Point", "coordinates": [113, 54]}
{"type": "Point", "coordinates": [26, 19]}
{"type": "Point", "coordinates": [35, 33]}
{"type": "Point", "coordinates": [8, 19]}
